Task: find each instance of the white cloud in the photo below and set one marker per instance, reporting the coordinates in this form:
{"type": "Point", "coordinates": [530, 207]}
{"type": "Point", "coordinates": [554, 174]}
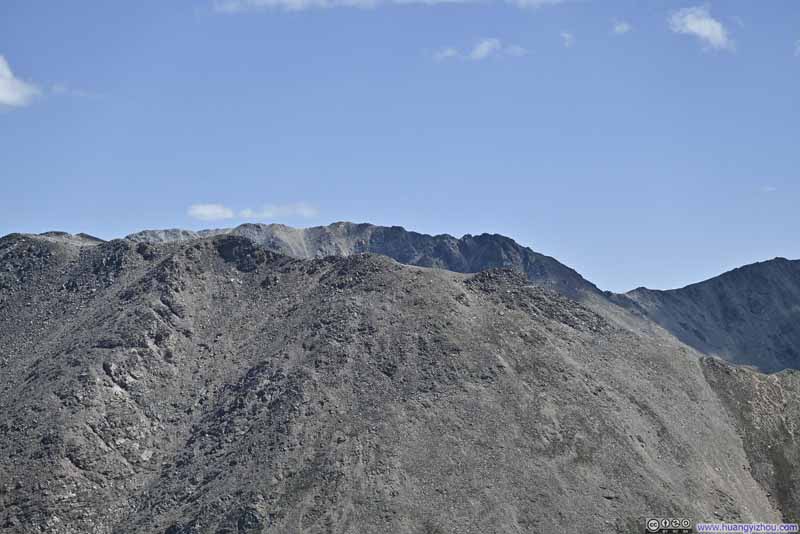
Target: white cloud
{"type": "Point", "coordinates": [218, 212]}
{"type": "Point", "coordinates": [568, 39]}
{"type": "Point", "coordinates": [13, 91]}
{"type": "Point", "coordinates": [210, 212]}
{"type": "Point", "coordinates": [621, 27]}
{"type": "Point", "coordinates": [446, 53]}
{"type": "Point", "coordinates": [483, 49]}
{"type": "Point", "coordinates": [62, 89]}
{"type": "Point", "coordinates": [515, 51]}
{"type": "Point", "coordinates": [298, 209]}
{"type": "Point", "coordinates": [698, 21]}
{"type": "Point", "coordinates": [768, 189]}
{"type": "Point", "coordinates": [534, 3]}
{"type": "Point", "coordinates": [241, 6]}
{"type": "Point", "coordinates": [431, 2]}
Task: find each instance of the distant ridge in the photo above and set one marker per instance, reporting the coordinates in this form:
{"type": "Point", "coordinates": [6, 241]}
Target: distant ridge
{"type": "Point", "coordinates": [750, 315]}
{"type": "Point", "coordinates": [469, 254]}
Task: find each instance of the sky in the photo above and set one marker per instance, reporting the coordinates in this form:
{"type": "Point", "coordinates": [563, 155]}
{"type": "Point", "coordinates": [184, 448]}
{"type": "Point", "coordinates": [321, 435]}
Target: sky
{"type": "Point", "coordinates": [642, 142]}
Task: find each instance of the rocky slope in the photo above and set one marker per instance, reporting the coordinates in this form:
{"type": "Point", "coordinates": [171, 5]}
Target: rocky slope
{"type": "Point", "coordinates": [469, 254]}
{"type": "Point", "coordinates": [214, 386]}
{"type": "Point", "coordinates": [750, 315]}
{"type": "Point", "coordinates": [766, 411]}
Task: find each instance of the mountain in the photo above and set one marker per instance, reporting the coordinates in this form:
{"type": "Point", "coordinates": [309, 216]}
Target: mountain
{"type": "Point", "coordinates": [750, 315]}
{"type": "Point", "coordinates": [469, 254]}
{"type": "Point", "coordinates": [212, 385]}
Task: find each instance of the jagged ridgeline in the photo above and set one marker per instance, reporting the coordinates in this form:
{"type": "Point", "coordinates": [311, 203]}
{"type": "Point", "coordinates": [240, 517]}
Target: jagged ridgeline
{"type": "Point", "coordinates": [469, 254]}
{"type": "Point", "coordinates": [749, 316]}
{"type": "Point", "coordinates": [218, 383]}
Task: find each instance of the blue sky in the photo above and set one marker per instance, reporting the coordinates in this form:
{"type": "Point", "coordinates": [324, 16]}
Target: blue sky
{"type": "Point", "coordinates": [641, 142]}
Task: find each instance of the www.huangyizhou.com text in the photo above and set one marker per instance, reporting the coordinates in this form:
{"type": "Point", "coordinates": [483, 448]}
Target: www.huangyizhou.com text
{"type": "Point", "coordinates": [746, 528]}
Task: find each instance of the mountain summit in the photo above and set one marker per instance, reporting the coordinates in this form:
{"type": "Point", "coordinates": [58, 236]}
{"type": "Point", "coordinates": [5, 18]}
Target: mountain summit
{"type": "Point", "coordinates": [469, 254]}
{"type": "Point", "coordinates": [750, 315]}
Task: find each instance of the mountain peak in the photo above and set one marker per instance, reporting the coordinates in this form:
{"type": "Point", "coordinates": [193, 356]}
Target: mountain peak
{"type": "Point", "coordinates": [747, 315]}
{"type": "Point", "coordinates": [469, 254]}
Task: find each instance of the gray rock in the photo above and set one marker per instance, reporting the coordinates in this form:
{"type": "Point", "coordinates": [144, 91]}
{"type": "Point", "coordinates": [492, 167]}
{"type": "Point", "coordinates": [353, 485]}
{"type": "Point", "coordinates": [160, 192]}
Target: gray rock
{"type": "Point", "coordinates": [749, 316]}
{"type": "Point", "coordinates": [212, 385]}
{"type": "Point", "coordinates": [469, 254]}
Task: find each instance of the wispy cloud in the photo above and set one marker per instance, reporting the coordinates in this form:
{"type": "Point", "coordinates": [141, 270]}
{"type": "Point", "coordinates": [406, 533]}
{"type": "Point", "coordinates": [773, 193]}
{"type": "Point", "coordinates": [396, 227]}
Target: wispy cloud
{"type": "Point", "coordinates": [240, 6]}
{"type": "Point", "coordinates": [431, 2]}
{"type": "Point", "coordinates": [482, 50]}
{"type": "Point", "coordinates": [535, 3]}
{"type": "Point", "coordinates": [210, 212]}
{"type": "Point", "coordinates": [297, 209]}
{"type": "Point", "coordinates": [446, 53]}
{"type": "Point", "coordinates": [621, 27]}
{"type": "Point", "coordinates": [243, 6]}
{"type": "Point", "coordinates": [515, 51]}
{"type": "Point", "coordinates": [697, 21]}
{"type": "Point", "coordinates": [797, 48]}
{"type": "Point", "coordinates": [220, 212]}
{"type": "Point", "coordinates": [62, 89]}
{"type": "Point", "coordinates": [567, 39]}
{"type": "Point", "coordinates": [485, 48]}
{"type": "Point", "coordinates": [768, 189]}
{"type": "Point", "coordinates": [13, 91]}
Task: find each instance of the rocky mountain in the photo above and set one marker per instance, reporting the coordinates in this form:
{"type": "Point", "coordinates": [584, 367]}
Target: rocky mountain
{"type": "Point", "coordinates": [213, 385]}
{"type": "Point", "coordinates": [469, 254]}
{"type": "Point", "coordinates": [750, 315]}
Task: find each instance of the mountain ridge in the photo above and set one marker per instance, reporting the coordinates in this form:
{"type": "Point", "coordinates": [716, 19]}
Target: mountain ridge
{"type": "Point", "coordinates": [215, 386]}
{"type": "Point", "coordinates": [748, 315]}
{"type": "Point", "coordinates": [753, 265]}
{"type": "Point", "coordinates": [469, 253]}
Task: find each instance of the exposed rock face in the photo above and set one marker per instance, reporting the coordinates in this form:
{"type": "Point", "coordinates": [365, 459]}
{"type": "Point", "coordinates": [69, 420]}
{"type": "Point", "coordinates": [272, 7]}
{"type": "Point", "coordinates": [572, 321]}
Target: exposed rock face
{"type": "Point", "coordinates": [469, 254]}
{"type": "Point", "coordinates": [215, 386]}
{"type": "Point", "coordinates": [750, 315]}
